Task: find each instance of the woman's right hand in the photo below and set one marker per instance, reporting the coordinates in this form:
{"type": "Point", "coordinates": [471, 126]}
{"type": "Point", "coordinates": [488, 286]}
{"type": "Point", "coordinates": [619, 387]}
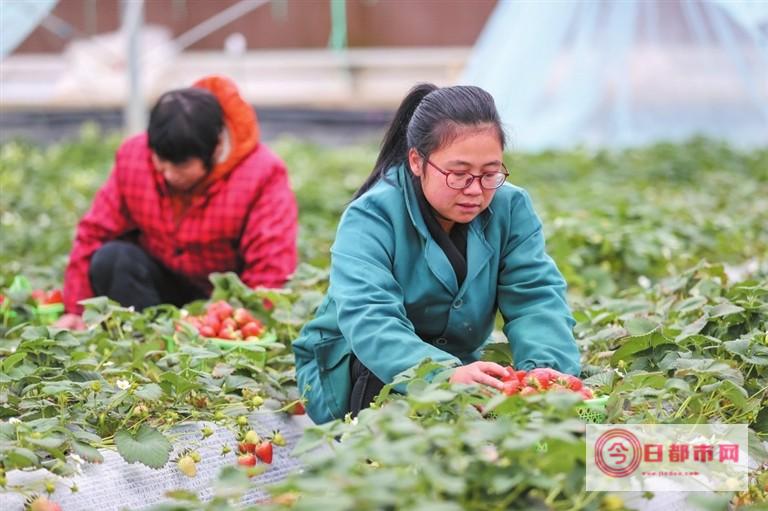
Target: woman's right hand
{"type": "Point", "coordinates": [70, 321]}
{"type": "Point", "coordinates": [486, 373]}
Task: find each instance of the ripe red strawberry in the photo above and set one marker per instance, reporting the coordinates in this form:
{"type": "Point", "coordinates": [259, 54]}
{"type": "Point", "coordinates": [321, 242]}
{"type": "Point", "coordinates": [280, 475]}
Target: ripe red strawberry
{"type": "Point", "coordinates": [223, 310]}
{"type": "Point", "coordinates": [246, 447]}
{"type": "Point", "coordinates": [267, 304]}
{"type": "Point", "coordinates": [242, 316]}
{"type": "Point", "coordinates": [574, 383]}
{"type": "Point", "coordinates": [586, 393]}
{"type": "Point", "coordinates": [54, 296]}
{"type": "Point", "coordinates": [229, 323]}
{"type": "Point", "coordinates": [43, 504]}
{"type": "Point", "coordinates": [297, 409]}
{"type": "Point", "coordinates": [264, 451]}
{"type": "Point", "coordinates": [527, 391]}
{"type": "Point", "coordinates": [511, 387]}
{"type": "Point", "coordinates": [213, 321]}
{"type": "Point", "coordinates": [252, 329]}
{"type": "Point", "coordinates": [246, 460]}
{"type": "Point", "coordinates": [545, 376]}
{"type": "Point", "coordinates": [207, 331]}
{"type": "Point", "coordinates": [226, 333]}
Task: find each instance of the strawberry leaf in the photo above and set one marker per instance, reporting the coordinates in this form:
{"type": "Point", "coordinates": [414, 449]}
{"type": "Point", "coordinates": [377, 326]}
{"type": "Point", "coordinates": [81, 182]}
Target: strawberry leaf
{"type": "Point", "coordinates": [148, 446]}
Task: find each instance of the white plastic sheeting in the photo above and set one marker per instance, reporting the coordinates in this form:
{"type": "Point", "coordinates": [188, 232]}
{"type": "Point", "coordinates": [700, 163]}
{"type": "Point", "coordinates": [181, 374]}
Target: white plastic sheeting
{"type": "Point", "coordinates": [18, 18]}
{"type": "Point", "coordinates": [608, 73]}
{"type": "Point", "coordinates": [115, 485]}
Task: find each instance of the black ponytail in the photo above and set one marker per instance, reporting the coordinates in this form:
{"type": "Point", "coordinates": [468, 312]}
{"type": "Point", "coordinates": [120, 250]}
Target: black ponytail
{"type": "Point", "coordinates": [394, 147]}
{"type": "Point", "coordinates": [430, 117]}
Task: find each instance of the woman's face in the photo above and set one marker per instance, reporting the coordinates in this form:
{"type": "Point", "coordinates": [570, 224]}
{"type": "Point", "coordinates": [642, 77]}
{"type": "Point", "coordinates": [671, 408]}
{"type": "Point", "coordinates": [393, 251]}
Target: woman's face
{"type": "Point", "coordinates": [476, 152]}
{"type": "Point", "coordinates": [181, 177]}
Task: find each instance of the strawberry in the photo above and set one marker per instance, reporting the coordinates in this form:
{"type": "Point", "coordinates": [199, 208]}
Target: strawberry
{"type": "Point", "coordinates": [228, 333]}
{"type": "Point", "coordinates": [278, 439]}
{"type": "Point", "coordinates": [246, 447]}
{"type": "Point", "coordinates": [545, 376]}
{"type": "Point", "coordinates": [251, 437]}
{"type": "Point", "coordinates": [574, 383]}
{"type": "Point", "coordinates": [586, 393]}
{"type": "Point", "coordinates": [511, 387]}
{"type": "Point", "coordinates": [264, 451]}
{"type": "Point", "coordinates": [229, 323]}
{"type": "Point", "coordinates": [527, 391]}
{"type": "Point", "coordinates": [43, 504]}
{"type": "Point", "coordinates": [187, 466]}
{"type": "Point", "coordinates": [252, 329]}
{"type": "Point", "coordinates": [54, 296]}
{"type": "Point", "coordinates": [213, 321]}
{"type": "Point", "coordinates": [297, 409]}
{"type": "Point", "coordinates": [207, 331]}
{"type": "Point", "coordinates": [267, 304]}
{"type": "Point", "coordinates": [38, 295]}
{"type": "Point", "coordinates": [242, 316]}
{"type": "Point", "coordinates": [246, 460]}
{"type": "Point", "coordinates": [223, 310]}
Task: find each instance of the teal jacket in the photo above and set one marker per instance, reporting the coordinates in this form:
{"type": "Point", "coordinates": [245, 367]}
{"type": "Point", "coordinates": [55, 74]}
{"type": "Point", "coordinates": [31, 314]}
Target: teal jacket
{"type": "Point", "coordinates": [394, 300]}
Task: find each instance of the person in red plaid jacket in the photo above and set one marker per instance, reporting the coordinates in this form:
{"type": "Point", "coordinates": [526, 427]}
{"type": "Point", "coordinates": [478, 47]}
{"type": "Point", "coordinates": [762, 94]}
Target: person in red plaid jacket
{"type": "Point", "coordinates": [197, 193]}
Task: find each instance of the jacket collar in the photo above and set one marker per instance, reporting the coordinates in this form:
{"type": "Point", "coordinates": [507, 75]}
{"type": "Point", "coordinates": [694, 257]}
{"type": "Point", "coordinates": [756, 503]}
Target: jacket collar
{"type": "Point", "coordinates": [479, 251]}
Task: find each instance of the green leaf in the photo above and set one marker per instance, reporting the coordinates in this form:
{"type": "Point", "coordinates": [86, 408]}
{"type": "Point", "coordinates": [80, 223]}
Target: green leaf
{"type": "Point", "coordinates": [708, 502]}
{"type": "Point", "coordinates": [179, 383]}
{"type": "Point", "coordinates": [236, 381]}
{"type": "Point", "coordinates": [761, 422]}
{"type": "Point", "coordinates": [19, 457]}
{"type": "Point", "coordinates": [640, 326]}
{"type": "Point", "coordinates": [724, 309]}
{"type": "Point", "coordinates": [148, 446]}
{"type": "Point", "coordinates": [735, 393]}
{"type": "Point", "coordinates": [231, 483]}
{"type": "Point", "coordinates": [606, 378]}
{"type": "Point", "coordinates": [757, 448]}
{"type": "Point", "coordinates": [87, 452]}
{"type": "Point", "coordinates": [48, 442]}
{"type": "Point", "coordinates": [12, 360]}
{"type": "Point", "coordinates": [693, 328]}
{"type": "Point", "coordinates": [149, 392]}
{"type": "Point", "coordinates": [432, 395]}
{"type": "Point", "coordinates": [637, 344]}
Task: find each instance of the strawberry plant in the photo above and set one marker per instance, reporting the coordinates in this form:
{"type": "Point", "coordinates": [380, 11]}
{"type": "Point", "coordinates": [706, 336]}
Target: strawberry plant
{"type": "Point", "coordinates": [665, 338]}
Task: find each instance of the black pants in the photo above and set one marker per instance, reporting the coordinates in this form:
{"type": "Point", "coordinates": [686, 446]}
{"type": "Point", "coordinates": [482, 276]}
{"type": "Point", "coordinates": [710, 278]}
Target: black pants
{"type": "Point", "coordinates": [122, 271]}
{"type": "Point", "coordinates": [365, 386]}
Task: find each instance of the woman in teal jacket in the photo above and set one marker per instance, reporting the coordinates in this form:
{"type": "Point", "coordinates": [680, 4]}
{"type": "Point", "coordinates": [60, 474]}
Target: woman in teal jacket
{"type": "Point", "coordinates": [432, 245]}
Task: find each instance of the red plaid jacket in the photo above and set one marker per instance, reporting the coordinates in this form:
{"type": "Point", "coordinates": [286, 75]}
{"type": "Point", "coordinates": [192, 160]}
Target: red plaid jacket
{"type": "Point", "coordinates": [245, 222]}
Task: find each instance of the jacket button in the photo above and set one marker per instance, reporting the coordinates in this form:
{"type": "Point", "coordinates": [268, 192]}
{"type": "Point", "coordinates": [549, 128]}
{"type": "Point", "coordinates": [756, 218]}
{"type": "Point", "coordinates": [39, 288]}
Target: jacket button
{"type": "Point", "coordinates": [441, 341]}
{"type": "Point", "coordinates": [458, 303]}
{"type": "Point", "coordinates": [178, 251]}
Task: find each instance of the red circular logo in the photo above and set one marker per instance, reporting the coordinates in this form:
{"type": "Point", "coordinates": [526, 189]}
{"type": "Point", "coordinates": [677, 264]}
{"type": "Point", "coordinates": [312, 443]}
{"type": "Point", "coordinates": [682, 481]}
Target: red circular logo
{"type": "Point", "coordinates": [618, 453]}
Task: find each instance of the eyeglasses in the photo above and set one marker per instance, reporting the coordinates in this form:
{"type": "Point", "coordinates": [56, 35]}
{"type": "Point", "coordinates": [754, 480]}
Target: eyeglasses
{"type": "Point", "coordinates": [463, 180]}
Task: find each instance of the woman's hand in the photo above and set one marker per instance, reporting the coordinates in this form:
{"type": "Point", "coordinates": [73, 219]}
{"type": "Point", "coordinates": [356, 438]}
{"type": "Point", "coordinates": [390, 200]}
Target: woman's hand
{"type": "Point", "coordinates": [70, 321]}
{"type": "Point", "coordinates": [486, 373]}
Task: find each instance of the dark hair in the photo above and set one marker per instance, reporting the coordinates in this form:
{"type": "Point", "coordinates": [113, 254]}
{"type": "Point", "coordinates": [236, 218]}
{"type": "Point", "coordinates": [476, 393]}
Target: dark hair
{"type": "Point", "coordinates": [430, 117]}
{"type": "Point", "coordinates": [184, 124]}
